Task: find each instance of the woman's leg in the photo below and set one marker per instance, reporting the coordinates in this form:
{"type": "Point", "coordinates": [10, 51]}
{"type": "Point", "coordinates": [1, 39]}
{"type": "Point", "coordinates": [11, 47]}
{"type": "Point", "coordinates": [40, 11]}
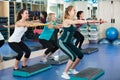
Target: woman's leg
{"type": "Point", "coordinates": [1, 43]}
{"type": "Point", "coordinates": [80, 39]}
{"type": "Point", "coordinates": [44, 44]}
{"type": "Point", "coordinates": [75, 63]}
{"type": "Point", "coordinates": [78, 53]}
{"type": "Point", "coordinates": [76, 35]}
{"type": "Point", "coordinates": [19, 51]}
{"type": "Point", "coordinates": [67, 50]}
{"type": "Point", "coordinates": [55, 48]}
{"type": "Point", "coordinates": [48, 45]}
{"type": "Point", "coordinates": [27, 53]}
{"type": "Point", "coordinates": [16, 64]}
{"type": "Point", "coordinates": [68, 66]}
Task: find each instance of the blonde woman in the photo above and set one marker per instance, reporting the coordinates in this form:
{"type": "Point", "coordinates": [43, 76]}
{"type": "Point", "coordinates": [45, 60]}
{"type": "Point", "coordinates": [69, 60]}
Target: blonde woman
{"type": "Point", "coordinates": [48, 37]}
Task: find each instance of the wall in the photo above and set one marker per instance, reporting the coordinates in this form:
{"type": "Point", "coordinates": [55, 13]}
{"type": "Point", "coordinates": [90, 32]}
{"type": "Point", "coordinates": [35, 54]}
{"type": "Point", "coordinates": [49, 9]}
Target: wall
{"type": "Point", "coordinates": [107, 11]}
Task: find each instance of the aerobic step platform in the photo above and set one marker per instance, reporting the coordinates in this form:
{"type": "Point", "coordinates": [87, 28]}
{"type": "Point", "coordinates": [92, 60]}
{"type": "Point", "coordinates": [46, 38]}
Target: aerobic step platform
{"type": "Point", "coordinates": [31, 70]}
{"type": "Point", "coordinates": [88, 74]}
{"type": "Point", "coordinates": [62, 59]}
{"type": "Point", "coordinates": [89, 50]}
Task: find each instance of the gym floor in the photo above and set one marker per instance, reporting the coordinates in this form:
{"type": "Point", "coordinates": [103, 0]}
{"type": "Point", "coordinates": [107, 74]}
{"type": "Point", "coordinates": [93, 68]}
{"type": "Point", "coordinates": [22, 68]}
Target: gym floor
{"type": "Point", "coordinates": [106, 58]}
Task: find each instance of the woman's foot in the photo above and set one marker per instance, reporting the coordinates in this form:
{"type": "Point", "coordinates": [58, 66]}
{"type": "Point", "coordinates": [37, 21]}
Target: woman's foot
{"type": "Point", "coordinates": [73, 71]}
{"type": "Point", "coordinates": [15, 68]}
{"type": "Point", "coordinates": [65, 75]}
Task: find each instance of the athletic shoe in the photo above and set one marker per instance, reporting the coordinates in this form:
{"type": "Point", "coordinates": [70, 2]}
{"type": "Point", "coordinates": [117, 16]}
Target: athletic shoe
{"type": "Point", "coordinates": [65, 75]}
{"type": "Point", "coordinates": [72, 71]}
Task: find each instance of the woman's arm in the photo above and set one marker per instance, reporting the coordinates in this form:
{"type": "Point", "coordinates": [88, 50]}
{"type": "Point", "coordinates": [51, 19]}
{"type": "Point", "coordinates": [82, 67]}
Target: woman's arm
{"type": "Point", "coordinates": [26, 24]}
{"type": "Point", "coordinates": [72, 22]}
{"type": "Point", "coordinates": [29, 24]}
{"type": "Point", "coordinates": [57, 26]}
{"type": "Point", "coordinates": [96, 21]}
{"type": "Point", "coordinates": [68, 22]}
{"type": "Point", "coordinates": [9, 26]}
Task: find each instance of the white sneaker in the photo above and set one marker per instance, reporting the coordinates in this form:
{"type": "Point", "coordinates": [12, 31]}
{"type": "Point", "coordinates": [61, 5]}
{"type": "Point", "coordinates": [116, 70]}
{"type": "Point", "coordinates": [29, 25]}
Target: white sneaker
{"type": "Point", "coordinates": [42, 59]}
{"type": "Point", "coordinates": [65, 75]}
{"type": "Point", "coordinates": [73, 71]}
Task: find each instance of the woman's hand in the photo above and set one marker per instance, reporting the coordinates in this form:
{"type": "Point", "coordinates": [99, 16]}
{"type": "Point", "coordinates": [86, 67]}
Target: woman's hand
{"type": "Point", "coordinates": [8, 26]}
{"type": "Point", "coordinates": [50, 25]}
{"type": "Point", "coordinates": [59, 26]}
{"type": "Point", "coordinates": [102, 21]}
{"type": "Point", "coordinates": [5, 26]}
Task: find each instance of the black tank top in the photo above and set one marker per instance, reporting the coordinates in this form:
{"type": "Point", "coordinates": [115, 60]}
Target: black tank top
{"type": "Point", "coordinates": [68, 33]}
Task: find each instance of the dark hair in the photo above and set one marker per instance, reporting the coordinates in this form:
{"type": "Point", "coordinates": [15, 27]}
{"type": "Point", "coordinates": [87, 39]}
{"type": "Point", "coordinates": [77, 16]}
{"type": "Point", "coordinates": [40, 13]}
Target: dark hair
{"type": "Point", "coordinates": [44, 13]}
{"type": "Point", "coordinates": [19, 14]}
{"type": "Point", "coordinates": [79, 13]}
{"type": "Point", "coordinates": [69, 8]}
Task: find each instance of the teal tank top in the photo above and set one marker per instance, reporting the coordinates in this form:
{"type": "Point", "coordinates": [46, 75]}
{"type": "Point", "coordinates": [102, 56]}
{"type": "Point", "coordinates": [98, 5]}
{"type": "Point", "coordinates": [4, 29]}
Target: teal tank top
{"type": "Point", "coordinates": [47, 32]}
{"type": "Point", "coordinates": [68, 33]}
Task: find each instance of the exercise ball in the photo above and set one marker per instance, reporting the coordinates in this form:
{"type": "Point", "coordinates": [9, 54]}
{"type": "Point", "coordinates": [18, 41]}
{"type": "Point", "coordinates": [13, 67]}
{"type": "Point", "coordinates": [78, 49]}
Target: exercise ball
{"type": "Point", "coordinates": [111, 33]}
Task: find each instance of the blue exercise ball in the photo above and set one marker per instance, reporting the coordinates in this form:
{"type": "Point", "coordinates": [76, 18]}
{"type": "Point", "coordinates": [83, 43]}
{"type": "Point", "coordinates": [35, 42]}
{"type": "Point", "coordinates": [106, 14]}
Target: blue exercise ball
{"type": "Point", "coordinates": [111, 33]}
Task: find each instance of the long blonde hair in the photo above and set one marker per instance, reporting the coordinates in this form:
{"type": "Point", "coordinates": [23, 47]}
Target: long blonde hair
{"type": "Point", "coordinates": [66, 15]}
{"type": "Point", "coordinates": [50, 16]}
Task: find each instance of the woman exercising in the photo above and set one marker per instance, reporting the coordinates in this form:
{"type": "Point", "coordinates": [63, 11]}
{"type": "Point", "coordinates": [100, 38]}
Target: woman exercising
{"type": "Point", "coordinates": [48, 37]}
{"type": "Point", "coordinates": [78, 35]}
{"type": "Point", "coordinates": [15, 41]}
{"type": "Point", "coordinates": [65, 41]}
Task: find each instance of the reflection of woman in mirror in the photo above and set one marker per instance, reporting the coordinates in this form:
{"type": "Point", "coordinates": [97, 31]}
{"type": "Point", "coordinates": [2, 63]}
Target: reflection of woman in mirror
{"type": "Point", "coordinates": [43, 16]}
{"type": "Point", "coordinates": [42, 19]}
{"type": "Point", "coordinates": [79, 37]}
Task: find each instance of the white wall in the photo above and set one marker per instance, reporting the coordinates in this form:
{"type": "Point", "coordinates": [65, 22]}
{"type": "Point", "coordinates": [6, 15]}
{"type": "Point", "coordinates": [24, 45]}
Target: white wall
{"type": "Point", "coordinates": [106, 12]}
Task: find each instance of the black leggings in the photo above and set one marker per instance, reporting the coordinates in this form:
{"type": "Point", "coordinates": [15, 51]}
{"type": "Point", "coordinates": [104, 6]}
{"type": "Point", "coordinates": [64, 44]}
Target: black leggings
{"type": "Point", "coordinates": [50, 45]}
{"type": "Point", "coordinates": [20, 48]}
{"type": "Point", "coordinates": [80, 39]}
{"type": "Point", "coordinates": [1, 43]}
{"type": "Point", "coordinates": [71, 50]}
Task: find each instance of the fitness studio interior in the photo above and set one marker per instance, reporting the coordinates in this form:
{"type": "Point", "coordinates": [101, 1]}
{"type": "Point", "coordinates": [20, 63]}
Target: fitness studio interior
{"type": "Point", "coordinates": [59, 39]}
